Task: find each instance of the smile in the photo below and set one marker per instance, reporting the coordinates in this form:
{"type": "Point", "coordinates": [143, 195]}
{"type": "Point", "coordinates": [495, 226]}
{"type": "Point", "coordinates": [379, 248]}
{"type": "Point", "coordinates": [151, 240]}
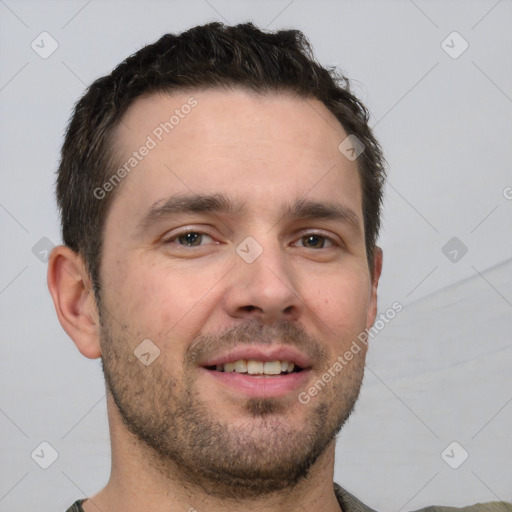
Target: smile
{"type": "Point", "coordinates": [255, 367]}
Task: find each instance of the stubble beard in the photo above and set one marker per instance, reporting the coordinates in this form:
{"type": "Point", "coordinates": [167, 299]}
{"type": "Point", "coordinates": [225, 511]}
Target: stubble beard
{"type": "Point", "coordinates": [184, 439]}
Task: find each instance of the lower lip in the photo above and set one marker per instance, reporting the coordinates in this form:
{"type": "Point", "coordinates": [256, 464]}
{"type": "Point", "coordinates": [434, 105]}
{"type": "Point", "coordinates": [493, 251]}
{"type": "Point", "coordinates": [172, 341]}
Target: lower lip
{"type": "Point", "coordinates": [264, 386]}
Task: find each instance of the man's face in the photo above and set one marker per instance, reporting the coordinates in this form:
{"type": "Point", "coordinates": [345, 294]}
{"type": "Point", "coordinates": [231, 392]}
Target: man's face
{"type": "Point", "coordinates": [189, 279]}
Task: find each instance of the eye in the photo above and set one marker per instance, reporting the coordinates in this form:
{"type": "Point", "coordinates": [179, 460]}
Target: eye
{"type": "Point", "coordinates": [315, 241]}
{"type": "Point", "coordinates": [190, 239]}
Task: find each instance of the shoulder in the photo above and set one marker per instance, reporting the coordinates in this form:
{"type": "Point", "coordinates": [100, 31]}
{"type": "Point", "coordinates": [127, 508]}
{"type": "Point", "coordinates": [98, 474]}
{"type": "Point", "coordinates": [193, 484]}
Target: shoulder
{"type": "Point", "coordinates": [350, 503]}
{"type": "Point", "coordinates": [480, 507]}
{"type": "Point", "coordinates": [76, 507]}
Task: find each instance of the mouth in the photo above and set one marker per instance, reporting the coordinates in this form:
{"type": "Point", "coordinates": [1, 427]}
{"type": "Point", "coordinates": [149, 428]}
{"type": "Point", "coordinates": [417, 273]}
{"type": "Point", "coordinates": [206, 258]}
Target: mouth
{"type": "Point", "coordinates": [257, 367]}
{"type": "Point", "coordinates": [259, 371]}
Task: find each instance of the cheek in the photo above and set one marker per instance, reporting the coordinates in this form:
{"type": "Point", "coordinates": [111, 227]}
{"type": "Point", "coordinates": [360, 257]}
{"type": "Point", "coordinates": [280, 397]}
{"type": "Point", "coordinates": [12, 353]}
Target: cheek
{"type": "Point", "coordinates": [340, 303]}
{"type": "Point", "coordinates": [161, 303]}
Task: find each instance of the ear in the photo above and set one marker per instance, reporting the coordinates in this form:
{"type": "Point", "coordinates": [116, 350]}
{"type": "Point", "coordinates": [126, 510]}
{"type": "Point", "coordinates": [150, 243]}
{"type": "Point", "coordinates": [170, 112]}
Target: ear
{"type": "Point", "coordinates": [376, 271]}
{"type": "Point", "coordinates": [71, 289]}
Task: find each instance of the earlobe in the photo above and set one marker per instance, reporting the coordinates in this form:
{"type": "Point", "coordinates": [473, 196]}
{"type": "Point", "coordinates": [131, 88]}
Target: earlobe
{"type": "Point", "coordinates": [376, 271]}
{"type": "Point", "coordinates": [73, 297]}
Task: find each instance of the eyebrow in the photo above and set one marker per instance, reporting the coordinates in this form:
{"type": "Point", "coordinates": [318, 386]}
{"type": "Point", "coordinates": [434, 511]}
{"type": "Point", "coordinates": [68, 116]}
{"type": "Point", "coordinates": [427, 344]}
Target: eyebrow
{"type": "Point", "coordinates": [194, 203]}
{"type": "Point", "coordinates": [221, 203]}
{"type": "Point", "coordinates": [305, 209]}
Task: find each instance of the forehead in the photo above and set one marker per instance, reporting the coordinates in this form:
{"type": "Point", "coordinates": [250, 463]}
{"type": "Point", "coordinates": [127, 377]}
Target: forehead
{"type": "Point", "coordinates": [262, 148]}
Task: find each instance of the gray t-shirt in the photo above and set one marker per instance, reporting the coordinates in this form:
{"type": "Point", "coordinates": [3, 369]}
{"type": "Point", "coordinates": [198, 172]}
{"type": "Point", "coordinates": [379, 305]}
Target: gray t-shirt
{"type": "Point", "coordinates": [349, 503]}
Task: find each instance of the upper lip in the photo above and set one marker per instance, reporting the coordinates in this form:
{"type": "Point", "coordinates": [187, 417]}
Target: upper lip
{"type": "Point", "coordinates": [260, 353]}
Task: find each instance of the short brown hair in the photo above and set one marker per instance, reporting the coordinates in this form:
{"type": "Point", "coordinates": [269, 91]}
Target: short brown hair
{"type": "Point", "coordinates": [208, 56]}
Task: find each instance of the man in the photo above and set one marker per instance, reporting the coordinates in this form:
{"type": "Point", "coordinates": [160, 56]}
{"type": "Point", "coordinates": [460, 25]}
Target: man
{"type": "Point", "coordinates": [220, 196]}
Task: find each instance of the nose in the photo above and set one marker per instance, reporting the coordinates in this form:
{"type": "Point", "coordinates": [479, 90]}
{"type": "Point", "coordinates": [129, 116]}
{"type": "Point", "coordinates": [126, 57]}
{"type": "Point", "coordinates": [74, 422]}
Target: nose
{"type": "Point", "coordinates": [264, 289]}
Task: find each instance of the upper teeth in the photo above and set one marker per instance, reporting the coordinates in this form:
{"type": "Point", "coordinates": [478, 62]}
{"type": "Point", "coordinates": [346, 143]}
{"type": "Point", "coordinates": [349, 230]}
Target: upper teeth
{"type": "Point", "coordinates": [254, 367]}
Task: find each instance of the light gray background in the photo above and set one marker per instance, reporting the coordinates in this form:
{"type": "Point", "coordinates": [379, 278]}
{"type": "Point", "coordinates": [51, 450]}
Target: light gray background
{"type": "Point", "coordinates": [439, 372]}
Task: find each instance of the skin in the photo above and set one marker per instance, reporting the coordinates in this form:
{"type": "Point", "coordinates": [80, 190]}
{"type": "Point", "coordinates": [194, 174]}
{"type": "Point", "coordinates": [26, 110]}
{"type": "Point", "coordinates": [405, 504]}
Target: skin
{"type": "Point", "coordinates": [265, 153]}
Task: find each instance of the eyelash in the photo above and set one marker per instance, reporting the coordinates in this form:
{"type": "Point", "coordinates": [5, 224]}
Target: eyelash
{"type": "Point", "coordinates": [190, 231]}
{"type": "Point", "coordinates": [172, 239]}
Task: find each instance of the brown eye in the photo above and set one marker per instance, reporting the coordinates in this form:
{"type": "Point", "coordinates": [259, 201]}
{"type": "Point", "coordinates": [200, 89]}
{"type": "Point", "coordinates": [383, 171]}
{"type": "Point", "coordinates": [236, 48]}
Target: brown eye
{"type": "Point", "coordinates": [191, 239]}
{"type": "Point", "coordinates": [314, 241]}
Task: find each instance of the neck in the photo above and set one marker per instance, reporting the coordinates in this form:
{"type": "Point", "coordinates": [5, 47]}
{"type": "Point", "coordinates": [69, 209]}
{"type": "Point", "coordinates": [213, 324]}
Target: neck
{"type": "Point", "coordinates": [140, 481]}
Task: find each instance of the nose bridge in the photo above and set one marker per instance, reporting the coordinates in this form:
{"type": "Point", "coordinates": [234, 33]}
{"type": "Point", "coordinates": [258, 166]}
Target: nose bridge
{"type": "Point", "coordinates": [264, 283]}
{"type": "Point", "coordinates": [266, 265]}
